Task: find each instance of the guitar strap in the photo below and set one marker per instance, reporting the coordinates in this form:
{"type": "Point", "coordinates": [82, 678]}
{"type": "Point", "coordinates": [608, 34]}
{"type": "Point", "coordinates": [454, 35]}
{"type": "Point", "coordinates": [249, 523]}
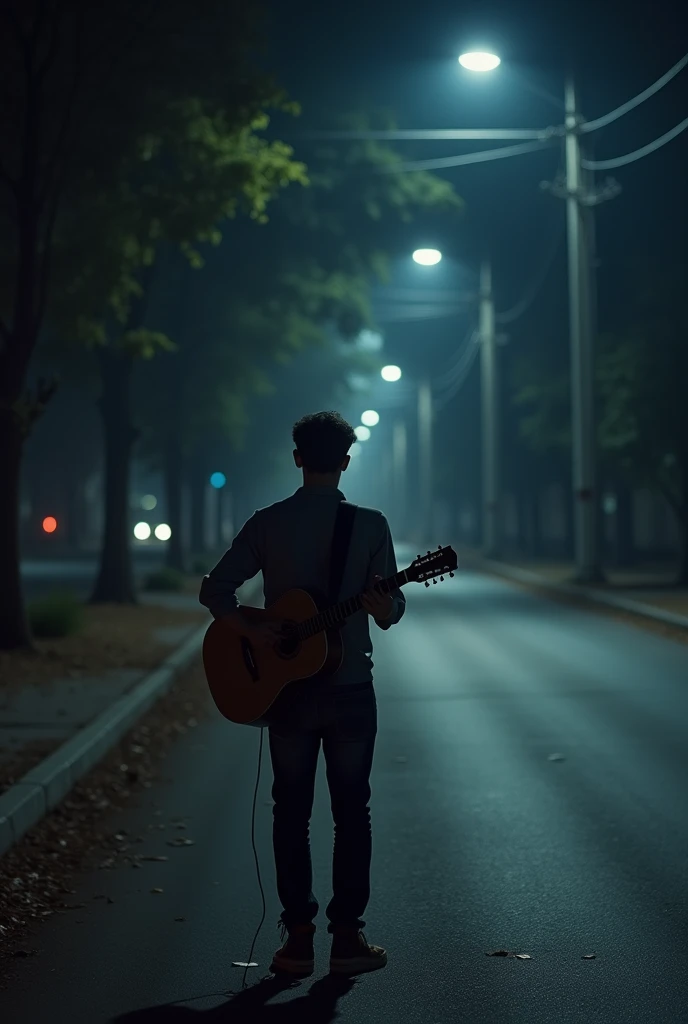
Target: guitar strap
{"type": "Point", "coordinates": [341, 539]}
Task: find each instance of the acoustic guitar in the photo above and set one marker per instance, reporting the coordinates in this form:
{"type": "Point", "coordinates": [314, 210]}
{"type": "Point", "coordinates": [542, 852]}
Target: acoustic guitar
{"type": "Point", "coordinates": [246, 680]}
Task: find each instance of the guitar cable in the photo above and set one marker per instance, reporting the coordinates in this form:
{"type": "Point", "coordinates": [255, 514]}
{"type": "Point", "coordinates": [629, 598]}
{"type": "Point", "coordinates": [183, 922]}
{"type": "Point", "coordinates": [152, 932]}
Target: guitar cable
{"type": "Point", "coordinates": [255, 855]}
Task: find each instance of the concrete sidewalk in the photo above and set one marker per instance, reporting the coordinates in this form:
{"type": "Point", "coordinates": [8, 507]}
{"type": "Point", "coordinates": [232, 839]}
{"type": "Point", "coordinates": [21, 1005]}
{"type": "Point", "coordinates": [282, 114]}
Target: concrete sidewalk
{"type": "Point", "coordinates": [79, 725]}
{"type": "Point", "coordinates": [649, 593]}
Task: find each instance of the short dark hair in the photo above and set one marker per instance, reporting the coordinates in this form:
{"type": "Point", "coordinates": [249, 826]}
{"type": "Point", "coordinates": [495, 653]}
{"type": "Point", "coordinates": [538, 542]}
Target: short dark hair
{"type": "Point", "coordinates": [323, 440]}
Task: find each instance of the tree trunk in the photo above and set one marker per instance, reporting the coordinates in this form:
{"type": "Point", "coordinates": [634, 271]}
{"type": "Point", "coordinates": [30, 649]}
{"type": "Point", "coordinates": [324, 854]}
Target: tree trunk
{"type": "Point", "coordinates": [173, 485]}
{"type": "Point", "coordinates": [115, 581]}
{"type": "Point", "coordinates": [625, 549]}
{"type": "Point", "coordinates": [198, 484]}
{"type": "Point", "coordinates": [14, 628]}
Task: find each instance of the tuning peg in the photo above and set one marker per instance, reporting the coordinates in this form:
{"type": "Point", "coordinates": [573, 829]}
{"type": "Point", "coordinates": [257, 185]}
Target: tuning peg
{"type": "Point", "coordinates": [417, 556]}
{"type": "Point", "coordinates": [442, 579]}
{"type": "Point", "coordinates": [439, 547]}
{"type": "Point", "coordinates": [427, 584]}
{"type": "Point", "coordinates": [434, 581]}
{"type": "Point", "coordinates": [429, 552]}
{"type": "Point", "coordinates": [451, 573]}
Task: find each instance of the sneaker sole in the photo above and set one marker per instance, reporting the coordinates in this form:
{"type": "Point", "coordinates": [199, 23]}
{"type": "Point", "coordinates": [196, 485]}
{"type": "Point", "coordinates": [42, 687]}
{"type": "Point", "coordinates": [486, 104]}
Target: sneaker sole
{"type": "Point", "coordinates": [357, 965]}
{"type": "Point", "coordinates": [301, 967]}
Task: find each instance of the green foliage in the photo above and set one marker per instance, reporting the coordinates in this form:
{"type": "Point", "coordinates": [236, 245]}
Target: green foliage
{"type": "Point", "coordinates": [59, 614]}
{"type": "Point", "coordinates": [640, 376]}
{"type": "Point", "coordinates": [166, 579]}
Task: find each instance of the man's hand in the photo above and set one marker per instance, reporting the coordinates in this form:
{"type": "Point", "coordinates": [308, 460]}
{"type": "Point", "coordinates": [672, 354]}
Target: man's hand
{"type": "Point", "coordinates": [265, 634]}
{"type": "Point", "coordinates": [380, 606]}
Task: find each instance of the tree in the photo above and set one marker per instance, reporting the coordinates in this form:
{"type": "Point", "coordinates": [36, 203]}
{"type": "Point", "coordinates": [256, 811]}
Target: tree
{"type": "Point", "coordinates": [103, 104]}
{"type": "Point", "coordinates": [641, 370]}
{"type": "Point", "coordinates": [320, 251]}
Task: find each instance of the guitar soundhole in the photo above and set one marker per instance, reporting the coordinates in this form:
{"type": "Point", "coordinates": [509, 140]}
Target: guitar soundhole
{"type": "Point", "coordinates": [289, 645]}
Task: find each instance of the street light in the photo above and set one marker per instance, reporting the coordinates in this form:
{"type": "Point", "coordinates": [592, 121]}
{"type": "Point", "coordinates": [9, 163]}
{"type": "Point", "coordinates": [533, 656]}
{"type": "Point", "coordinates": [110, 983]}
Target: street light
{"type": "Point", "coordinates": [580, 235]}
{"type": "Point", "coordinates": [390, 373]}
{"type": "Point", "coordinates": [479, 61]}
{"type": "Point", "coordinates": [427, 257]}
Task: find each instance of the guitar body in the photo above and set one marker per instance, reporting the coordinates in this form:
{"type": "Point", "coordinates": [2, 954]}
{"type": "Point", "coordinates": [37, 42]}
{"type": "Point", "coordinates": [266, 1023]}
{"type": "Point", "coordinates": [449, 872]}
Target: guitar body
{"type": "Point", "coordinates": [246, 681]}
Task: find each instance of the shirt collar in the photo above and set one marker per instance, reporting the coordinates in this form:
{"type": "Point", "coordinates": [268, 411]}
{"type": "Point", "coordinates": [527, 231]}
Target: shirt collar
{"type": "Point", "coordinates": [329, 491]}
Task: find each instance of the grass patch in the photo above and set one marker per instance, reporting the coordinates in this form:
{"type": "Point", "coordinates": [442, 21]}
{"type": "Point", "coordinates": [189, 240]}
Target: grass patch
{"type": "Point", "coordinates": [166, 579]}
{"type": "Point", "coordinates": [59, 614]}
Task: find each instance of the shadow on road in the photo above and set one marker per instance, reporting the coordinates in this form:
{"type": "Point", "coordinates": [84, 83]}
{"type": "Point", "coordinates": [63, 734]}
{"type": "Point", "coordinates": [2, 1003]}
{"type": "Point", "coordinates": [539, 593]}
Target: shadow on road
{"type": "Point", "coordinates": [317, 1006]}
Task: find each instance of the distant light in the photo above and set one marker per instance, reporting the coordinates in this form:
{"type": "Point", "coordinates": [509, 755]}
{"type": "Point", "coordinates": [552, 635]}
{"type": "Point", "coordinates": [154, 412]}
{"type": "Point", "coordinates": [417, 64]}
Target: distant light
{"type": "Point", "coordinates": [479, 61]}
{"type": "Point", "coordinates": [142, 531]}
{"type": "Point", "coordinates": [390, 373]}
{"type": "Point", "coordinates": [50, 524]}
{"type": "Point", "coordinates": [355, 449]}
{"type": "Point", "coordinates": [362, 433]}
{"type": "Point", "coordinates": [163, 532]}
{"type": "Point", "coordinates": [149, 501]}
{"type": "Point", "coordinates": [217, 480]}
{"type": "Point", "coordinates": [370, 418]}
{"type": "Point", "coordinates": [427, 257]}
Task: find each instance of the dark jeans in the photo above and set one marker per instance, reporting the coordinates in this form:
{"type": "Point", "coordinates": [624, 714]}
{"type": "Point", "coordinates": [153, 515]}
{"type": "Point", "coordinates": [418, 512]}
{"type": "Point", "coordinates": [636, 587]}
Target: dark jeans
{"type": "Point", "coordinates": [344, 718]}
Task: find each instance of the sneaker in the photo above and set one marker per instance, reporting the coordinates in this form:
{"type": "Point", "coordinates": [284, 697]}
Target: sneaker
{"type": "Point", "coordinates": [296, 955]}
{"type": "Point", "coordinates": [351, 953]}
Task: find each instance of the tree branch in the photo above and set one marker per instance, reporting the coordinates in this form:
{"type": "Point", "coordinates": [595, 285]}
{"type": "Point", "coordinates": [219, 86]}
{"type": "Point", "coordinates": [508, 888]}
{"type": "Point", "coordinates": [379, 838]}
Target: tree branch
{"type": "Point", "coordinates": [63, 131]}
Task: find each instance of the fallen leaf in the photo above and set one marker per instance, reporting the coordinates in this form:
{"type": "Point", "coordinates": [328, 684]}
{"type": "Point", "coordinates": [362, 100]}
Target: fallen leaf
{"type": "Point", "coordinates": [498, 952]}
{"type": "Point", "coordinates": [239, 963]}
{"type": "Point", "coordinates": [157, 890]}
{"type": "Point", "coordinates": [180, 841]}
{"type": "Point", "coordinates": [523, 956]}
{"type": "Point", "coordinates": [589, 956]}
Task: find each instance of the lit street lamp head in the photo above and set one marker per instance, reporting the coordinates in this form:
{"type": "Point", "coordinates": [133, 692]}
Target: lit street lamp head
{"type": "Point", "coordinates": [427, 257]}
{"type": "Point", "coordinates": [390, 373]}
{"type": "Point", "coordinates": [479, 61]}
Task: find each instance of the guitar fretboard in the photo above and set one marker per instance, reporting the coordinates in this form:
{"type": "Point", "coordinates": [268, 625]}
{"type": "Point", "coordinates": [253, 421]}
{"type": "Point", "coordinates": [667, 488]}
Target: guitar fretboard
{"type": "Point", "coordinates": [339, 612]}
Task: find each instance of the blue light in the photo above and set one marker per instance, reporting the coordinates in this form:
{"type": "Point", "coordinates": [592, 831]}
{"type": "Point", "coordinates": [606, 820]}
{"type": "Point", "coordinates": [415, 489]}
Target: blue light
{"type": "Point", "coordinates": [218, 480]}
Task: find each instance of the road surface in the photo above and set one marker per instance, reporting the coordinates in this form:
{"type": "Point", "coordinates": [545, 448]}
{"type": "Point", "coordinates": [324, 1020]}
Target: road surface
{"type": "Point", "coordinates": [483, 841]}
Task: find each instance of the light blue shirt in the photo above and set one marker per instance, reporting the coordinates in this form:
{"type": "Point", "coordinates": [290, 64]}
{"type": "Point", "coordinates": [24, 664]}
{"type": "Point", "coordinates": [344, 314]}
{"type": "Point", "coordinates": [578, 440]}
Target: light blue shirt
{"type": "Point", "coordinates": [290, 543]}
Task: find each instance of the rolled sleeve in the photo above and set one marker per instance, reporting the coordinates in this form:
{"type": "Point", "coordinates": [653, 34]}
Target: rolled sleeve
{"type": "Point", "coordinates": [240, 563]}
{"type": "Point", "coordinates": [384, 563]}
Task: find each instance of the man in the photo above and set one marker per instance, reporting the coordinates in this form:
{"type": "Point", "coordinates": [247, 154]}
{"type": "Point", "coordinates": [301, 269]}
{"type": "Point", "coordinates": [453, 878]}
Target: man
{"type": "Point", "coordinates": [290, 542]}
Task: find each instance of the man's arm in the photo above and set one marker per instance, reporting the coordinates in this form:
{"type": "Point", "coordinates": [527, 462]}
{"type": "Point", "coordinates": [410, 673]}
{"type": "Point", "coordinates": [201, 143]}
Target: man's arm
{"type": "Point", "coordinates": [240, 563]}
{"type": "Point", "coordinates": [384, 563]}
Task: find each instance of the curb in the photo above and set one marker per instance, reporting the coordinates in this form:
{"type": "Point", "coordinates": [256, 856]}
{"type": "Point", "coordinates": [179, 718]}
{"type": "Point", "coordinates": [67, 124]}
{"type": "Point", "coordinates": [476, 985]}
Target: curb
{"type": "Point", "coordinates": [588, 593]}
{"type": "Point", "coordinates": [38, 792]}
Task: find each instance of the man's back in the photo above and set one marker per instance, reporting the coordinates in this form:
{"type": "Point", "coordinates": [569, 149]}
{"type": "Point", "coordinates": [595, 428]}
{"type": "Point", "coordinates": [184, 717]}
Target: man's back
{"type": "Point", "coordinates": [290, 542]}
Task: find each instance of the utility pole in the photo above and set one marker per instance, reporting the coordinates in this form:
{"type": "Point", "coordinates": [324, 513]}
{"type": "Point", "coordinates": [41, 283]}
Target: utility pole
{"type": "Point", "coordinates": [580, 199]}
{"type": "Point", "coordinates": [490, 415]}
{"type": "Point", "coordinates": [399, 462]}
{"type": "Point", "coordinates": [425, 471]}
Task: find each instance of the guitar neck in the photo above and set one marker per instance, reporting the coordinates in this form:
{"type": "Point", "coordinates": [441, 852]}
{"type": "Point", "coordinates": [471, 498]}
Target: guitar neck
{"type": "Point", "coordinates": [338, 613]}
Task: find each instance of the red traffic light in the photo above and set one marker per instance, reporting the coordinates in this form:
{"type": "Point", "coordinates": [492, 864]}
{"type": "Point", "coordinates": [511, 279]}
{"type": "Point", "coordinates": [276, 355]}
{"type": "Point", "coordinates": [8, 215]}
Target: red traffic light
{"type": "Point", "coordinates": [50, 524]}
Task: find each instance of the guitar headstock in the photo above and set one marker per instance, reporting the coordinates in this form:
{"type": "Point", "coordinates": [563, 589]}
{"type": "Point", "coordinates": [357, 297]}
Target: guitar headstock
{"type": "Point", "coordinates": [435, 563]}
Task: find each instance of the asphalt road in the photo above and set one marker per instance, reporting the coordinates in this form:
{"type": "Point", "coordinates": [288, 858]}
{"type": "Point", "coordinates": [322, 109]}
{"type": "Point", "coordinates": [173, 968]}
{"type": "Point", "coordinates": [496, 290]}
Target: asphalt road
{"type": "Point", "coordinates": [481, 843]}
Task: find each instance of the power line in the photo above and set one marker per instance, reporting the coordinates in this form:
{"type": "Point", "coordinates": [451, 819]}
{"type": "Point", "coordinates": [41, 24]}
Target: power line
{"type": "Point", "coordinates": [440, 403]}
{"type": "Point", "coordinates": [509, 315]}
{"type": "Point", "coordinates": [470, 158]}
{"type": "Point", "coordinates": [450, 376]}
{"type": "Point", "coordinates": [406, 134]}
{"type": "Point", "coordinates": [613, 115]}
{"type": "Point", "coordinates": [638, 154]}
